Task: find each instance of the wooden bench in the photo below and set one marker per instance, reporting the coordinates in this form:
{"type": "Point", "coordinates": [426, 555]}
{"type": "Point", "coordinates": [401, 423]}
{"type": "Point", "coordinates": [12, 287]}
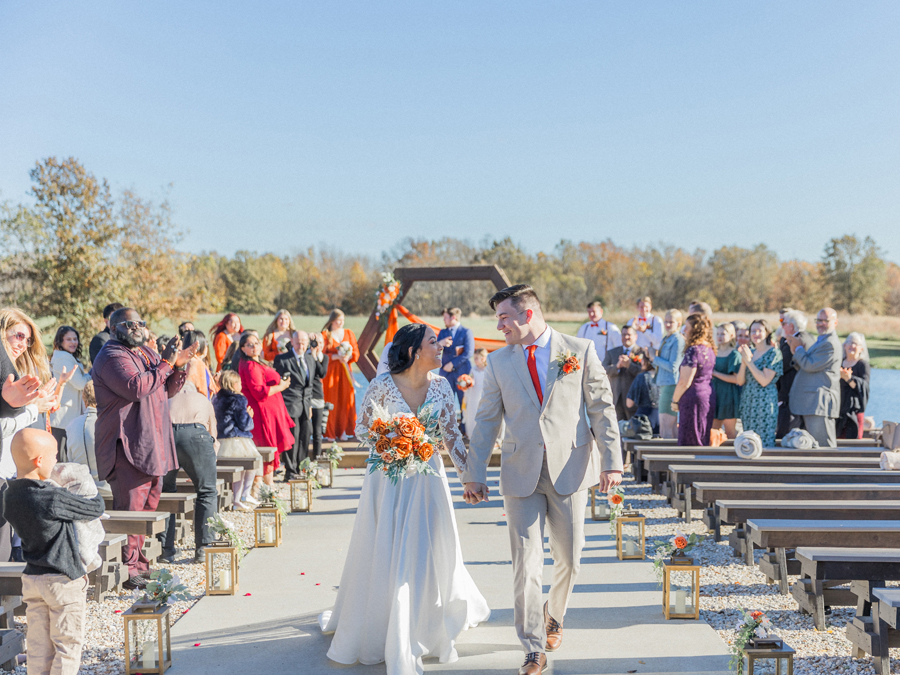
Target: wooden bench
{"type": "Point", "coordinates": [656, 466]}
{"type": "Point", "coordinates": [778, 536]}
{"type": "Point", "coordinates": [181, 503]}
{"type": "Point", "coordinates": [886, 626]}
{"type": "Point", "coordinates": [12, 642]}
{"type": "Point", "coordinates": [244, 463]}
{"type": "Point", "coordinates": [823, 567]}
{"type": "Point", "coordinates": [145, 523]}
{"type": "Point", "coordinates": [683, 477]}
{"type": "Point", "coordinates": [108, 578]}
{"type": "Point", "coordinates": [267, 454]}
{"type": "Point", "coordinates": [738, 511]}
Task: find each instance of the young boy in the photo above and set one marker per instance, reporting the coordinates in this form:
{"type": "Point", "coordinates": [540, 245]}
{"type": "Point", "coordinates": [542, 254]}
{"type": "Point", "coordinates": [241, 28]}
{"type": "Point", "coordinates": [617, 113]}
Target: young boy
{"type": "Point", "coordinates": [54, 585]}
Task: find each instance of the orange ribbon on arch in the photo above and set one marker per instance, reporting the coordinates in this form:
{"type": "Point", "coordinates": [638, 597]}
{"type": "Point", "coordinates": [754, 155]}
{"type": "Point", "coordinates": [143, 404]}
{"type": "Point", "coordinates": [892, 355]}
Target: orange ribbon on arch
{"type": "Point", "coordinates": [392, 328]}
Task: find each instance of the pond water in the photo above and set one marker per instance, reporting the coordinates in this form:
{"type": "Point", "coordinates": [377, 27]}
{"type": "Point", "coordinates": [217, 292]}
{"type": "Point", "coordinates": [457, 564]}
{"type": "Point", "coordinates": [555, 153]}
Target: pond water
{"type": "Point", "coordinates": [884, 401]}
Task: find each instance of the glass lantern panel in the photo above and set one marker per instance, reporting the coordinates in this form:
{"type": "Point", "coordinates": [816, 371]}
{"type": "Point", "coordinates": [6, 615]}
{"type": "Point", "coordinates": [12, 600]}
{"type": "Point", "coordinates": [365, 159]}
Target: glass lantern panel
{"type": "Point", "coordinates": [221, 572]}
{"type": "Point", "coordinates": [266, 527]}
{"type": "Point", "coordinates": [766, 665]}
{"type": "Point", "coordinates": [681, 591]}
{"type": "Point", "coordinates": [143, 643]}
{"type": "Point", "coordinates": [631, 538]}
{"type": "Point", "coordinates": [300, 496]}
{"type": "Point", "coordinates": [324, 476]}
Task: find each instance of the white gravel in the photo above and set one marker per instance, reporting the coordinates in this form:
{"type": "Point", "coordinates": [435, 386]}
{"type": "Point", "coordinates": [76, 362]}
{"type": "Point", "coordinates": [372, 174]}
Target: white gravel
{"type": "Point", "coordinates": [727, 585]}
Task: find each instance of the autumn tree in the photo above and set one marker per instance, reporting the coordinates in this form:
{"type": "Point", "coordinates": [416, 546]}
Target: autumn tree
{"type": "Point", "coordinates": [742, 279]}
{"type": "Point", "coordinates": [856, 273]}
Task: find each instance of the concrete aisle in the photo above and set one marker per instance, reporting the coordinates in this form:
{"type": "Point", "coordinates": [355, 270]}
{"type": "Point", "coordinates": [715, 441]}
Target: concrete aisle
{"type": "Point", "coordinates": [614, 624]}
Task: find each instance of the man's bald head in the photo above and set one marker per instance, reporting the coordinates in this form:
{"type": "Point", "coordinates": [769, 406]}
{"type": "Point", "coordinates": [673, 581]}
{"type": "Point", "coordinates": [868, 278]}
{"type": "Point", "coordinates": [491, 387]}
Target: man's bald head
{"type": "Point", "coordinates": [34, 450]}
{"type": "Point", "coordinates": [826, 321]}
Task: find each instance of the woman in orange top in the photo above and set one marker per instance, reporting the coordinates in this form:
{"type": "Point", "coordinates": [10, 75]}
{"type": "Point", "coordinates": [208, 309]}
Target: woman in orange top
{"type": "Point", "coordinates": [278, 335]}
{"type": "Point", "coordinates": [338, 383]}
{"type": "Point", "coordinates": [223, 334]}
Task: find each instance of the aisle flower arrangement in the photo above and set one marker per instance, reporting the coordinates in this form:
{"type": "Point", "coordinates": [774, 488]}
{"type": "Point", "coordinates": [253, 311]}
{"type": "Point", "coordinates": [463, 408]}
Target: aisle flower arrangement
{"type": "Point", "coordinates": [755, 625]}
{"type": "Point", "coordinates": [386, 296]}
{"type": "Point", "coordinates": [333, 455]}
{"type": "Point", "coordinates": [679, 546]}
{"type": "Point", "coordinates": [399, 445]}
{"type": "Point", "coordinates": [616, 498]}
{"type": "Point", "coordinates": [226, 531]}
{"type": "Point", "coordinates": [269, 495]}
{"type": "Point", "coordinates": [164, 586]}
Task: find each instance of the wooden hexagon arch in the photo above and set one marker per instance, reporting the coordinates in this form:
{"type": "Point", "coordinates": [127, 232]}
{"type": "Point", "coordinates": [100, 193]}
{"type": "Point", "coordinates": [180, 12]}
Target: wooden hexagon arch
{"type": "Point", "coordinates": [407, 276]}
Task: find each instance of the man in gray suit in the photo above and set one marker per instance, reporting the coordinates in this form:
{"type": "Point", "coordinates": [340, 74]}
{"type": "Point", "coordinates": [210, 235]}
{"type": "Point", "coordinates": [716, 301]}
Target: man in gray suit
{"type": "Point", "coordinates": [816, 392]}
{"type": "Point", "coordinates": [794, 323]}
{"type": "Point", "coordinates": [561, 438]}
{"type": "Point", "coordinates": [621, 370]}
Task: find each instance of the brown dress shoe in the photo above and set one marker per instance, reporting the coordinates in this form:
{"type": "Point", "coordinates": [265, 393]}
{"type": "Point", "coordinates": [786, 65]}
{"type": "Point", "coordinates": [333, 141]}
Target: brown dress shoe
{"type": "Point", "coordinates": [535, 664]}
{"type": "Point", "coordinates": [554, 631]}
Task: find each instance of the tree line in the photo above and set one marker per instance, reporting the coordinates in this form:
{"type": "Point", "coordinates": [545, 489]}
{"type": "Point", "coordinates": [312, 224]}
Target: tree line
{"type": "Point", "coordinates": [75, 247]}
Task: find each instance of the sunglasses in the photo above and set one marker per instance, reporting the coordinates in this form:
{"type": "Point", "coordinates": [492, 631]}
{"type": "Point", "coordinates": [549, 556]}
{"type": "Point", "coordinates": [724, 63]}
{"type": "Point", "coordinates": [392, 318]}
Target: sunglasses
{"type": "Point", "coordinates": [131, 325]}
{"type": "Point", "coordinates": [21, 337]}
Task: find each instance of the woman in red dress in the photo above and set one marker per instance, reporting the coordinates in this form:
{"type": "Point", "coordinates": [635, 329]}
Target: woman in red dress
{"type": "Point", "coordinates": [263, 386]}
{"type": "Point", "coordinates": [338, 382]}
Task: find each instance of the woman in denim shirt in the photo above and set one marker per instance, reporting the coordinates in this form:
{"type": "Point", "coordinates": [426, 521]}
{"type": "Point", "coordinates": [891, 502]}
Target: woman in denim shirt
{"type": "Point", "coordinates": [667, 362]}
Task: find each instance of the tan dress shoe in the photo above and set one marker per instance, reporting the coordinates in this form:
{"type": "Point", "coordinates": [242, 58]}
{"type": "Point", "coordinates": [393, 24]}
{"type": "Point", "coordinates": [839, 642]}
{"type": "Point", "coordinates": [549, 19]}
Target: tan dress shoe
{"type": "Point", "coordinates": [535, 664]}
{"type": "Point", "coordinates": [554, 631]}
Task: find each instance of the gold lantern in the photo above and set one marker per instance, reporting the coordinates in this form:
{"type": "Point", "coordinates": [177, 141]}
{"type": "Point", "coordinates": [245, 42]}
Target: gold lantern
{"type": "Point", "coordinates": [301, 494]}
{"type": "Point", "coordinates": [776, 657]}
{"type": "Point", "coordinates": [222, 566]}
{"type": "Point", "coordinates": [681, 588]}
{"type": "Point", "coordinates": [630, 536]}
{"type": "Point", "coordinates": [148, 644]}
{"type": "Point", "coordinates": [325, 475]}
{"type": "Point", "coordinates": [267, 525]}
{"type": "Point", "coordinates": [599, 505]}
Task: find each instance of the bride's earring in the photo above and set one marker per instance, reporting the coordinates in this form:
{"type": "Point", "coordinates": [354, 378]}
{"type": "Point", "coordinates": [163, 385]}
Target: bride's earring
{"type": "Point", "coordinates": [417, 357]}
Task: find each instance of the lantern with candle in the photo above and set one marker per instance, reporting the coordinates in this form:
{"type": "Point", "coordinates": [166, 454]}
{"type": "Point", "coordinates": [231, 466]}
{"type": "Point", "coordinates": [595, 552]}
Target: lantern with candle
{"type": "Point", "coordinates": [599, 506]}
{"type": "Point", "coordinates": [630, 535]}
{"type": "Point", "coordinates": [223, 557]}
{"type": "Point", "coordinates": [148, 643]}
{"type": "Point", "coordinates": [757, 650]}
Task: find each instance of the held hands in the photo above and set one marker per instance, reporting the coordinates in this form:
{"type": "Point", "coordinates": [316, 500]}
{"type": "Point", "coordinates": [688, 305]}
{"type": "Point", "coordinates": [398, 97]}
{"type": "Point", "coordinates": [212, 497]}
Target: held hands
{"type": "Point", "coordinates": [746, 354]}
{"type": "Point", "coordinates": [446, 342]}
{"type": "Point", "coordinates": [846, 374]}
{"type": "Point", "coordinates": [624, 361]}
{"type": "Point", "coordinates": [447, 368]}
{"type": "Point", "coordinates": [475, 492]}
{"type": "Point", "coordinates": [175, 356]}
{"type": "Point", "coordinates": [794, 342]}
{"type": "Point", "coordinates": [48, 397]}
{"type": "Point", "coordinates": [610, 479]}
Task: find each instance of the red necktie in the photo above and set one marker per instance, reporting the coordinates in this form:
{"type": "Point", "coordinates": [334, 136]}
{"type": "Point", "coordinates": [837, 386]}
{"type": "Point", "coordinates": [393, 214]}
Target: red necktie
{"type": "Point", "coordinates": [532, 368]}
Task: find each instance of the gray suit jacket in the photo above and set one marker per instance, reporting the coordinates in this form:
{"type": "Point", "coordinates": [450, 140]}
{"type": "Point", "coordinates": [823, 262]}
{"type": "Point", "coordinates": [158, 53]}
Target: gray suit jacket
{"type": "Point", "coordinates": [817, 387]}
{"type": "Point", "coordinates": [620, 379]}
{"type": "Point", "coordinates": [577, 411]}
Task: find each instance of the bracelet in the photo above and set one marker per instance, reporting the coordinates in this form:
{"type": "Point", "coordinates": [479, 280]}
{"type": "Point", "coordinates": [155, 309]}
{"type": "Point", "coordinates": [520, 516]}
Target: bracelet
{"type": "Point", "coordinates": [676, 402]}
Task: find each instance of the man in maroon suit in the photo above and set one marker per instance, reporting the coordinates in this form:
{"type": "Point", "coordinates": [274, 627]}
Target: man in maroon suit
{"type": "Point", "coordinates": [135, 447]}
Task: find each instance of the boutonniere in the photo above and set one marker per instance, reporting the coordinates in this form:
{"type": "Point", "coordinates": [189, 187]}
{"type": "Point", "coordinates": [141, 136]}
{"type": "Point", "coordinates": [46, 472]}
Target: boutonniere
{"type": "Point", "coordinates": [635, 357]}
{"type": "Point", "coordinates": [603, 332]}
{"type": "Point", "coordinates": [568, 363]}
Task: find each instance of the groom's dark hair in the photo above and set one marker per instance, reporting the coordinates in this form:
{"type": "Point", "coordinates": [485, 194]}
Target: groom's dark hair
{"type": "Point", "coordinates": [522, 297]}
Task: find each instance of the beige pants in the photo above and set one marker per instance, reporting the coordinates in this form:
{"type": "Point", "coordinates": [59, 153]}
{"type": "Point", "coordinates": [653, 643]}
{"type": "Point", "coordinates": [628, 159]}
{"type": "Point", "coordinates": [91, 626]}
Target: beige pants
{"type": "Point", "coordinates": [55, 609]}
{"type": "Point", "coordinates": [525, 518]}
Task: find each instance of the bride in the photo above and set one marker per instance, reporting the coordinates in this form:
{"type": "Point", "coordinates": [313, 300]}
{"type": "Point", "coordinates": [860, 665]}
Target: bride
{"type": "Point", "coordinates": [404, 592]}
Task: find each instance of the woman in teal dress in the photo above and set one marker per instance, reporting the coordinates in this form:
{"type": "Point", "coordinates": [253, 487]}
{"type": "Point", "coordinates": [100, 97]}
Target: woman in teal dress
{"type": "Point", "coordinates": [759, 400]}
{"type": "Point", "coordinates": [725, 383]}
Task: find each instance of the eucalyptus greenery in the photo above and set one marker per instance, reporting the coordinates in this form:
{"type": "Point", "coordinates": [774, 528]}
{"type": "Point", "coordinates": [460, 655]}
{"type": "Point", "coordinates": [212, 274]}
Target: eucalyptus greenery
{"type": "Point", "coordinates": [309, 470]}
{"type": "Point", "coordinates": [334, 454]}
{"type": "Point", "coordinates": [226, 530]}
{"type": "Point", "coordinates": [666, 549]}
{"type": "Point", "coordinates": [164, 586]}
{"type": "Point", "coordinates": [269, 495]}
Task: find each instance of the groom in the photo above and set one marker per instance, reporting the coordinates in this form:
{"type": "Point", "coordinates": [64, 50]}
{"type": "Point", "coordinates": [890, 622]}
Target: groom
{"type": "Point", "coordinates": [549, 457]}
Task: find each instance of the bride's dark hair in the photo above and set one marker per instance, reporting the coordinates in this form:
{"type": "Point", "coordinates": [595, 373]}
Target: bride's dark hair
{"type": "Point", "coordinates": [400, 356]}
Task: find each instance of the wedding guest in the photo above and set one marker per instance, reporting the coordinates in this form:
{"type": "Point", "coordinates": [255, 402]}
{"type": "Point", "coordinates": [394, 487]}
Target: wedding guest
{"type": "Point", "coordinates": [81, 437]}
{"type": "Point", "coordinates": [649, 327]}
{"type": "Point", "coordinates": [700, 307]}
{"type": "Point", "coordinates": [200, 366]}
{"type": "Point", "coordinates": [759, 399]}
{"type": "Point", "coordinates": [194, 429]}
{"type": "Point", "coordinates": [152, 341]}
{"type": "Point", "coordinates": [640, 399]}
{"type": "Point", "coordinates": [102, 337]}
{"type": "Point", "coordinates": [277, 337]}
{"type": "Point", "coordinates": [302, 366]}
{"type": "Point", "coordinates": [855, 374]}
{"type": "Point", "coordinates": [54, 582]}
{"type": "Point", "coordinates": [135, 446]}
{"type": "Point", "coordinates": [234, 420]}
{"type": "Point", "coordinates": [602, 333]}
{"type": "Point", "coordinates": [458, 343]}
{"type": "Point", "coordinates": [318, 407]}
{"type": "Point", "coordinates": [473, 394]}
{"type": "Point", "coordinates": [184, 327]}
{"type": "Point", "coordinates": [668, 362]}
{"type": "Point", "coordinates": [339, 346]}
{"type": "Point", "coordinates": [779, 332]}
{"type": "Point", "coordinates": [262, 386]}
{"type": "Point", "coordinates": [815, 394]}
{"type": "Point", "coordinates": [725, 381]}
{"type": "Point", "coordinates": [741, 333]}
{"type": "Point", "coordinates": [694, 398]}
{"type": "Point", "coordinates": [622, 365]}
{"type": "Point", "coordinates": [794, 324]}
{"type": "Point", "coordinates": [233, 355]}
{"type": "Point", "coordinates": [67, 359]}
{"type": "Point", "coordinates": [223, 335]}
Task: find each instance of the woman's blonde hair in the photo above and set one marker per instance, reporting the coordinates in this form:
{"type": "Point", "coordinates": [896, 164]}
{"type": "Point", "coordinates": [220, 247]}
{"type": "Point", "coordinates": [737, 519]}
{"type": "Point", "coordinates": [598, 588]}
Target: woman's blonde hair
{"type": "Point", "coordinates": [335, 313]}
{"type": "Point", "coordinates": [274, 325]}
{"type": "Point", "coordinates": [676, 315]}
{"type": "Point", "coordinates": [728, 329]}
{"type": "Point", "coordinates": [230, 381]}
{"type": "Point", "coordinates": [33, 361]}
{"type": "Point", "coordinates": [88, 395]}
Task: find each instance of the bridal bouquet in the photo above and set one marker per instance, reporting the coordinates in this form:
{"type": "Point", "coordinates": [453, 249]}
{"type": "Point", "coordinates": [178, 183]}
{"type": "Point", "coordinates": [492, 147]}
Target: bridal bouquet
{"type": "Point", "coordinates": [464, 382]}
{"type": "Point", "coordinates": [345, 349]}
{"type": "Point", "coordinates": [400, 445]}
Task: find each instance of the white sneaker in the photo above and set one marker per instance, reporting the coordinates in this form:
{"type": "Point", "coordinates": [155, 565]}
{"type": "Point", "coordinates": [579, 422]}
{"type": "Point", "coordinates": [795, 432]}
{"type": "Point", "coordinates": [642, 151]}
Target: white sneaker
{"type": "Point", "coordinates": [252, 500]}
{"type": "Point", "coordinates": [240, 506]}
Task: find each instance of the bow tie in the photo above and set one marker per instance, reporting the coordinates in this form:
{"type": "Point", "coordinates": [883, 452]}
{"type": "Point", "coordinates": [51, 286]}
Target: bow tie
{"type": "Point", "coordinates": [595, 325]}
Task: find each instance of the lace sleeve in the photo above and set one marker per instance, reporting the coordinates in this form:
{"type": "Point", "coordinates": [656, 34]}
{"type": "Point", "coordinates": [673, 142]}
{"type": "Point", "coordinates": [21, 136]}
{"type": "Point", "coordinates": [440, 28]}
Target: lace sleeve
{"type": "Point", "coordinates": [450, 434]}
{"type": "Point", "coordinates": [375, 394]}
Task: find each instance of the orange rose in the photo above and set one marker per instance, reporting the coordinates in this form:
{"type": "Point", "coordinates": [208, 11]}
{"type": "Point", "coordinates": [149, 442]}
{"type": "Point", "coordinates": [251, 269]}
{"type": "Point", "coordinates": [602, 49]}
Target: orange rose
{"type": "Point", "coordinates": [615, 499]}
{"type": "Point", "coordinates": [756, 615]}
{"type": "Point", "coordinates": [425, 451]}
{"type": "Point", "coordinates": [408, 427]}
{"type": "Point", "coordinates": [402, 446]}
{"type": "Point", "coordinates": [387, 457]}
{"type": "Point", "coordinates": [380, 427]}
{"type": "Point", "coordinates": [680, 542]}
{"type": "Point", "coordinates": [383, 445]}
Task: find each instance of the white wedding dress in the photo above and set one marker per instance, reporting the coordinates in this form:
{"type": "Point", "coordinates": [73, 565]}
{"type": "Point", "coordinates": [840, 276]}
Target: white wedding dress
{"type": "Point", "coordinates": [405, 593]}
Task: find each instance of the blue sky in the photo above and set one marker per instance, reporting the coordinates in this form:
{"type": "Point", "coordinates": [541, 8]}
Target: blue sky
{"type": "Point", "coordinates": [356, 124]}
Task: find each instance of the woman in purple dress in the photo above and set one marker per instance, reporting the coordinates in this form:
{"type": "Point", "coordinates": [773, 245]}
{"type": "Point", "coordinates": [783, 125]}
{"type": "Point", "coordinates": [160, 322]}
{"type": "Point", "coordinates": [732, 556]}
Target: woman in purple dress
{"type": "Point", "coordinates": [694, 398]}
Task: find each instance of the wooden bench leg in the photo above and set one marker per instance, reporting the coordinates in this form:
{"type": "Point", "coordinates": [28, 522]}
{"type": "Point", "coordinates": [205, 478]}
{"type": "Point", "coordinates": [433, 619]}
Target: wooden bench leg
{"type": "Point", "coordinates": [687, 503]}
{"type": "Point", "coordinates": [880, 653]}
{"type": "Point", "coordinates": [819, 613]}
{"type": "Point", "coordinates": [748, 549]}
{"type": "Point", "coordinates": [717, 524]}
{"type": "Point", "coordinates": [781, 556]}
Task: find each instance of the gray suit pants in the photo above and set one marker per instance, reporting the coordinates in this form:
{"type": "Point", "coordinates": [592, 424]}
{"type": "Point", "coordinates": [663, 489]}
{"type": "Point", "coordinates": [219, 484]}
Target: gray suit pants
{"type": "Point", "coordinates": [822, 429]}
{"type": "Point", "coordinates": [525, 517]}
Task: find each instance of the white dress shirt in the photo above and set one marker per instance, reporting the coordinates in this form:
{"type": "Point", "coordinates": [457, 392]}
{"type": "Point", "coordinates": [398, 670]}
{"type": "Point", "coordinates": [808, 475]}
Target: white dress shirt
{"type": "Point", "coordinates": [602, 343]}
{"type": "Point", "coordinates": [652, 337]}
{"type": "Point", "coordinates": [541, 356]}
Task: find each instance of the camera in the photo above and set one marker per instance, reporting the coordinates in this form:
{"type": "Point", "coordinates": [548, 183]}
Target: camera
{"type": "Point", "coordinates": [313, 342]}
